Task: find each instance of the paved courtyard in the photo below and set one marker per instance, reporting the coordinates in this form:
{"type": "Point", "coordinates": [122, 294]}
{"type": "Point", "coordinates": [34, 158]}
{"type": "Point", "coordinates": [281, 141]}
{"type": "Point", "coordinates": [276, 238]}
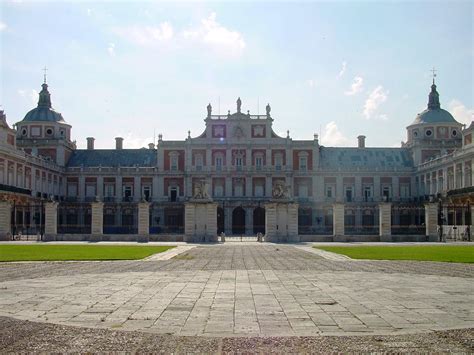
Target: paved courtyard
{"type": "Point", "coordinates": [243, 290]}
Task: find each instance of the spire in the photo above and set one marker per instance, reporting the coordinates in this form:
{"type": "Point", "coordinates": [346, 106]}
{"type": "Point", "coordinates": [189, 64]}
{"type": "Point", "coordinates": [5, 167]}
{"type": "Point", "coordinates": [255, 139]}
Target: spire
{"type": "Point", "coordinates": [433, 98]}
{"type": "Point", "coordinates": [44, 97]}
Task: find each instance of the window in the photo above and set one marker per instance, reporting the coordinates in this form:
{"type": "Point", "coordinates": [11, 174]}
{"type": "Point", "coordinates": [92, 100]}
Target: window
{"type": "Point", "coordinates": [386, 193]}
{"type": "Point", "coordinates": [109, 190]}
{"type": "Point", "coordinates": [454, 133]}
{"type": "Point", "coordinates": [259, 191]}
{"type": "Point", "coordinates": [174, 163]}
{"type": "Point", "coordinates": [428, 132]}
{"type": "Point", "coordinates": [218, 163]}
{"type": "Point", "coordinates": [259, 162]}
{"type": "Point", "coordinates": [330, 191]}
{"type": "Point", "coordinates": [303, 190]}
{"type": "Point", "coordinates": [278, 162]}
{"type": "Point", "coordinates": [127, 191]}
{"type": "Point", "coordinates": [173, 194]}
{"type": "Point", "coordinates": [35, 131]}
{"type": "Point", "coordinates": [146, 192]}
{"type": "Point", "coordinates": [303, 163]}
{"type": "Point", "coordinates": [24, 132]}
{"type": "Point", "coordinates": [404, 191]}
{"type": "Point", "coordinates": [238, 161]}
{"type": "Point", "coordinates": [368, 193]}
{"type": "Point", "coordinates": [219, 191]}
{"type": "Point", "coordinates": [348, 193]}
{"type": "Point", "coordinates": [90, 190]}
{"type": "Point", "coordinates": [71, 189]}
{"type": "Point", "coordinates": [198, 162]}
{"type": "Point", "coordinates": [49, 132]}
{"type": "Point", "coordinates": [238, 190]}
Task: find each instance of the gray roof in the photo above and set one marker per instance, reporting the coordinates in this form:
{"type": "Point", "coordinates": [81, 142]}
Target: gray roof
{"type": "Point", "coordinates": [113, 158]}
{"type": "Point", "coordinates": [365, 158]}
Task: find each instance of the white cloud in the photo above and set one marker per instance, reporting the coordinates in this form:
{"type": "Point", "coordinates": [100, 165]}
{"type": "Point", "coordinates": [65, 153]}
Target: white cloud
{"type": "Point", "coordinates": [33, 95]}
{"type": "Point", "coordinates": [3, 26]}
{"type": "Point", "coordinates": [89, 12]}
{"type": "Point", "coordinates": [311, 83]}
{"type": "Point", "coordinates": [111, 49]}
{"type": "Point", "coordinates": [460, 112]}
{"type": "Point", "coordinates": [375, 99]}
{"type": "Point", "coordinates": [146, 35]}
{"type": "Point", "coordinates": [332, 136]}
{"type": "Point", "coordinates": [343, 69]}
{"type": "Point", "coordinates": [132, 141]}
{"type": "Point", "coordinates": [215, 36]}
{"type": "Point", "coordinates": [356, 86]}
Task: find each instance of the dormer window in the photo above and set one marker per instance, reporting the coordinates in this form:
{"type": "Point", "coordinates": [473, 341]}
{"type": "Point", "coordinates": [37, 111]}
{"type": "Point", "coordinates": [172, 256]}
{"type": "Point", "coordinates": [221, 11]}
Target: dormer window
{"type": "Point", "coordinates": [454, 133]}
{"type": "Point", "coordinates": [428, 133]}
{"type": "Point", "coordinates": [24, 132]}
{"type": "Point", "coordinates": [49, 132]}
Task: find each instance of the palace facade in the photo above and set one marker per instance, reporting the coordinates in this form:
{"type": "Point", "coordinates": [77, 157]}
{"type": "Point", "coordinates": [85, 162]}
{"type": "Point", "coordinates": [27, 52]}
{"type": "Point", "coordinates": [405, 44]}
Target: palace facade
{"type": "Point", "coordinates": [240, 164]}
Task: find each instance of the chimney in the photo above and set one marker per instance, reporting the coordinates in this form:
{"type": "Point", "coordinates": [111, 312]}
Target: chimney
{"type": "Point", "coordinates": [118, 143]}
{"type": "Point", "coordinates": [151, 146]}
{"type": "Point", "coordinates": [361, 140]}
{"type": "Point", "coordinates": [90, 143]}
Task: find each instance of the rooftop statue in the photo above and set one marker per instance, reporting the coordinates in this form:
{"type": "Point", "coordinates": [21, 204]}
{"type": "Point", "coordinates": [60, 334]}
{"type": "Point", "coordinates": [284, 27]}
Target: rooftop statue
{"type": "Point", "coordinates": [209, 110]}
{"type": "Point", "coordinates": [239, 105]}
{"type": "Point", "coordinates": [268, 108]}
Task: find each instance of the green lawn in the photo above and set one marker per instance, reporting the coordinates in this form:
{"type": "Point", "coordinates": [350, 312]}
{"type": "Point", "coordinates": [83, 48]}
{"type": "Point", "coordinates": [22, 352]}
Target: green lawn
{"type": "Point", "coordinates": [45, 252]}
{"type": "Point", "coordinates": [446, 253]}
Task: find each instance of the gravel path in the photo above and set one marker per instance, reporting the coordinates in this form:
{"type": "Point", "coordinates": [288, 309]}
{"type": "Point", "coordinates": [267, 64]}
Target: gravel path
{"type": "Point", "coordinates": [25, 336]}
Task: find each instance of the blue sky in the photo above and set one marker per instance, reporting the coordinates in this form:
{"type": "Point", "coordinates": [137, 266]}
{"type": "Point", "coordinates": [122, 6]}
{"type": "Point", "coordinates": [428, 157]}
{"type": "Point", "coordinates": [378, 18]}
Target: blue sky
{"type": "Point", "coordinates": [339, 69]}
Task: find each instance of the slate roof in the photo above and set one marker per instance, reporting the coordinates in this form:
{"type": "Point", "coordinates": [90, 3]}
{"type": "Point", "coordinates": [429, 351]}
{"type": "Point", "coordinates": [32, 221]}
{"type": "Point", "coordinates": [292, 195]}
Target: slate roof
{"type": "Point", "coordinates": [365, 158]}
{"type": "Point", "coordinates": [434, 116]}
{"type": "Point", "coordinates": [43, 114]}
{"type": "Point", "coordinates": [113, 158]}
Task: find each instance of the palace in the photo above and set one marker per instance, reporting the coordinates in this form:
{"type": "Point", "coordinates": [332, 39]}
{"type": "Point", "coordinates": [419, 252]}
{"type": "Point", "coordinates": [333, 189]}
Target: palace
{"type": "Point", "coordinates": [238, 177]}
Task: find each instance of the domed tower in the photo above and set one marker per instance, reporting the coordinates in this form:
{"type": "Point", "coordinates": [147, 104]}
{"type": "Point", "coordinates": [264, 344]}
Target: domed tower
{"type": "Point", "coordinates": [43, 131]}
{"type": "Point", "coordinates": [434, 132]}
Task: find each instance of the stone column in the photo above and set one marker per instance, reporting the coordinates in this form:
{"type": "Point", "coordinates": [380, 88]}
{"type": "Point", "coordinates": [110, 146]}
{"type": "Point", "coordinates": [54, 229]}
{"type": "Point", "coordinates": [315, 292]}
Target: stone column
{"type": "Point", "coordinates": [143, 222]}
{"type": "Point", "coordinates": [211, 235]}
{"type": "Point", "coordinates": [293, 223]}
{"type": "Point", "coordinates": [97, 221]}
{"type": "Point", "coordinates": [431, 222]}
{"type": "Point", "coordinates": [339, 189]}
{"type": "Point", "coordinates": [270, 222]}
{"type": "Point", "coordinates": [248, 221]}
{"type": "Point", "coordinates": [228, 220]}
{"type": "Point", "coordinates": [200, 221]}
{"type": "Point", "coordinates": [189, 221]}
{"type": "Point", "coordinates": [385, 222]}
{"type": "Point", "coordinates": [137, 188]}
{"type": "Point", "coordinates": [50, 221]}
{"type": "Point", "coordinates": [268, 186]}
{"type": "Point", "coordinates": [100, 187]}
{"type": "Point", "coordinates": [338, 219]}
{"type": "Point", "coordinates": [5, 220]}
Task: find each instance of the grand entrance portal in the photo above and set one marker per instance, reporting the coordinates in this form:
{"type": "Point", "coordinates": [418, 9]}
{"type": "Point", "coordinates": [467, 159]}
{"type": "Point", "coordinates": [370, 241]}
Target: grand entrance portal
{"type": "Point", "coordinates": [238, 221]}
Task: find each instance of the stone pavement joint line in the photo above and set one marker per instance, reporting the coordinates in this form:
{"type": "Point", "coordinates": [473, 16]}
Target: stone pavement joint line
{"type": "Point", "coordinates": [234, 291]}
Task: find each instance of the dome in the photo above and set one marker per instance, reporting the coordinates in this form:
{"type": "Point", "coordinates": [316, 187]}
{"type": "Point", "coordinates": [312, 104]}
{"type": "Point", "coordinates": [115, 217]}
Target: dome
{"type": "Point", "coordinates": [434, 116]}
{"type": "Point", "coordinates": [43, 112]}
{"type": "Point", "coordinates": [434, 113]}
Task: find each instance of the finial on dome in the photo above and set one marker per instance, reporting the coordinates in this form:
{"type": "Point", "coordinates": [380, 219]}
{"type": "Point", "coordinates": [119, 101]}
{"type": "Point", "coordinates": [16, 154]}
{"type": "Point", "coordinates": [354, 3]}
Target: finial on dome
{"type": "Point", "coordinates": [434, 75]}
{"type": "Point", "coordinates": [45, 70]}
{"type": "Point", "coordinates": [433, 98]}
{"type": "Point", "coordinates": [44, 97]}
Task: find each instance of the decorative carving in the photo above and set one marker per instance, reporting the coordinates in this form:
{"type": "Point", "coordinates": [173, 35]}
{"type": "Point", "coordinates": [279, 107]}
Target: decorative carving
{"type": "Point", "coordinates": [238, 132]}
{"type": "Point", "coordinates": [201, 190]}
{"type": "Point", "coordinates": [258, 131]}
{"type": "Point", "coordinates": [280, 190]}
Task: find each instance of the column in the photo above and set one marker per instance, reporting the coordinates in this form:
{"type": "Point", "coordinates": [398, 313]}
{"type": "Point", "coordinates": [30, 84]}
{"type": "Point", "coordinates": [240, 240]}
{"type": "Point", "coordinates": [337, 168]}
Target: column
{"type": "Point", "coordinates": [339, 189]}
{"type": "Point", "coordinates": [5, 220]}
{"type": "Point", "coordinates": [228, 186]}
{"type": "Point", "coordinates": [50, 221]}
{"type": "Point", "coordinates": [143, 222]}
{"type": "Point", "coordinates": [431, 221]}
{"type": "Point", "coordinates": [189, 221]}
{"type": "Point", "coordinates": [118, 189]}
{"type": "Point", "coordinates": [338, 219]}
{"type": "Point", "coordinates": [100, 188]}
{"type": "Point", "coordinates": [385, 221]}
{"type": "Point", "coordinates": [270, 222]}
{"type": "Point", "coordinates": [268, 158]}
{"type": "Point", "coordinates": [249, 221]}
{"type": "Point", "coordinates": [358, 189]}
{"type": "Point", "coordinates": [211, 222]}
{"type": "Point", "coordinates": [137, 189]}
{"type": "Point", "coordinates": [155, 189]}
{"type": "Point", "coordinates": [396, 188]}
{"type": "Point", "coordinates": [376, 188]}
{"type": "Point", "coordinates": [293, 223]}
{"type": "Point", "coordinates": [248, 159]}
{"type": "Point", "coordinates": [228, 220]}
{"type": "Point", "coordinates": [97, 220]}
{"type": "Point", "coordinates": [268, 186]}
{"type": "Point", "coordinates": [248, 186]}
{"type": "Point", "coordinates": [81, 187]}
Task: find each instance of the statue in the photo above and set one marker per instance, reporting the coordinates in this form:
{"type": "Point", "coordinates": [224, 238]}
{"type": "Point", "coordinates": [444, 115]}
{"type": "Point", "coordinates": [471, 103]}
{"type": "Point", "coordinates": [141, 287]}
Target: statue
{"type": "Point", "coordinates": [280, 190]}
{"type": "Point", "coordinates": [239, 105]}
{"type": "Point", "coordinates": [209, 110]}
{"type": "Point", "coordinates": [268, 108]}
{"type": "Point", "coordinates": [201, 190]}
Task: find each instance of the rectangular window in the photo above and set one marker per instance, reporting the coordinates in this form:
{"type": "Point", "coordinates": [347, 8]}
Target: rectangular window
{"type": "Point", "coordinates": [348, 194]}
{"type": "Point", "coordinates": [219, 191]}
{"type": "Point", "coordinates": [71, 190]}
{"type": "Point", "coordinates": [90, 190]}
{"type": "Point", "coordinates": [109, 190]}
{"type": "Point", "coordinates": [303, 163]}
{"type": "Point", "coordinates": [329, 191]}
{"type": "Point", "coordinates": [127, 191]}
{"type": "Point", "coordinates": [146, 193]}
{"type": "Point", "coordinates": [238, 191]}
{"type": "Point", "coordinates": [368, 193]}
{"type": "Point", "coordinates": [259, 162]}
{"type": "Point", "coordinates": [174, 163]}
{"type": "Point", "coordinates": [303, 191]}
{"type": "Point", "coordinates": [405, 191]}
{"type": "Point", "coordinates": [386, 193]}
{"type": "Point", "coordinates": [259, 191]}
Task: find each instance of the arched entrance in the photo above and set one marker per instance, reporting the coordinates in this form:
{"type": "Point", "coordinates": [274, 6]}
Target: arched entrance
{"type": "Point", "coordinates": [259, 220]}
{"type": "Point", "coordinates": [220, 220]}
{"type": "Point", "coordinates": [238, 221]}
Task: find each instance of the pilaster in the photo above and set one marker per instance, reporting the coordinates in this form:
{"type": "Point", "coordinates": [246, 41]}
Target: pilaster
{"type": "Point", "coordinates": [431, 221]}
{"type": "Point", "coordinates": [385, 221]}
{"type": "Point", "coordinates": [97, 220]}
{"type": "Point", "coordinates": [5, 220]}
{"type": "Point", "coordinates": [51, 221]}
{"type": "Point", "coordinates": [338, 219]}
{"type": "Point", "coordinates": [143, 221]}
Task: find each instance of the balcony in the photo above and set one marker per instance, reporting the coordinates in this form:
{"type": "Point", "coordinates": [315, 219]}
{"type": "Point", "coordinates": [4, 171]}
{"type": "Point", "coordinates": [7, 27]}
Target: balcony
{"type": "Point", "coordinates": [109, 198]}
{"type": "Point", "coordinates": [14, 189]}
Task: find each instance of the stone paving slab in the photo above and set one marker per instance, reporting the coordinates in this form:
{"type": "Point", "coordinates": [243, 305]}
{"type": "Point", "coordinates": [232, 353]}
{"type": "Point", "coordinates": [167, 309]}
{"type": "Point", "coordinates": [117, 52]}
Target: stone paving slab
{"type": "Point", "coordinates": [243, 290]}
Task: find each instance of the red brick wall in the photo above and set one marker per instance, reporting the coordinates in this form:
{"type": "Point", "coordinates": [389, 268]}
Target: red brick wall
{"type": "Point", "coordinates": [180, 159]}
{"type": "Point", "coordinates": [282, 152]}
{"type": "Point", "coordinates": [296, 160]}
